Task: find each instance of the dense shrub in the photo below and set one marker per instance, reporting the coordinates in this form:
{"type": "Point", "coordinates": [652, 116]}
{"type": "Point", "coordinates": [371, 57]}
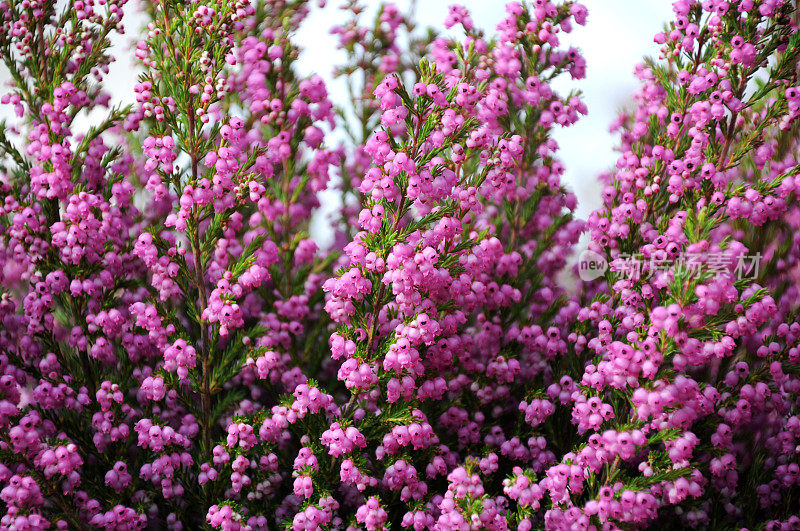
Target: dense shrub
{"type": "Point", "coordinates": [176, 351]}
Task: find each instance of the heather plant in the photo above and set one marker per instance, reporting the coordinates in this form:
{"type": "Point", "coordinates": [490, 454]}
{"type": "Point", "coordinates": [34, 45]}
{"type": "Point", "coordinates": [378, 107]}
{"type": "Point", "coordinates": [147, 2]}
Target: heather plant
{"type": "Point", "coordinates": [68, 276]}
{"type": "Point", "coordinates": [251, 134]}
{"type": "Point", "coordinates": [695, 338]}
{"type": "Point", "coordinates": [417, 282]}
{"type": "Point", "coordinates": [372, 52]}
{"type": "Point", "coordinates": [177, 352]}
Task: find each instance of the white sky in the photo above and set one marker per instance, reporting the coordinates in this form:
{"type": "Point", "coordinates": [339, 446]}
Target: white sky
{"type": "Point", "coordinates": [618, 33]}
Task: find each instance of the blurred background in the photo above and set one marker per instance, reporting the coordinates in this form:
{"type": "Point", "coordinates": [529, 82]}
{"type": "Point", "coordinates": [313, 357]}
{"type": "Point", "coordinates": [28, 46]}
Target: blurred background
{"type": "Point", "coordinates": [617, 35]}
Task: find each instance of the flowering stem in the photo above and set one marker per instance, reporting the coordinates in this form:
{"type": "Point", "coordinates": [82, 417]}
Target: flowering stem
{"type": "Point", "coordinates": [398, 213]}
{"type": "Point", "coordinates": [201, 286]}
